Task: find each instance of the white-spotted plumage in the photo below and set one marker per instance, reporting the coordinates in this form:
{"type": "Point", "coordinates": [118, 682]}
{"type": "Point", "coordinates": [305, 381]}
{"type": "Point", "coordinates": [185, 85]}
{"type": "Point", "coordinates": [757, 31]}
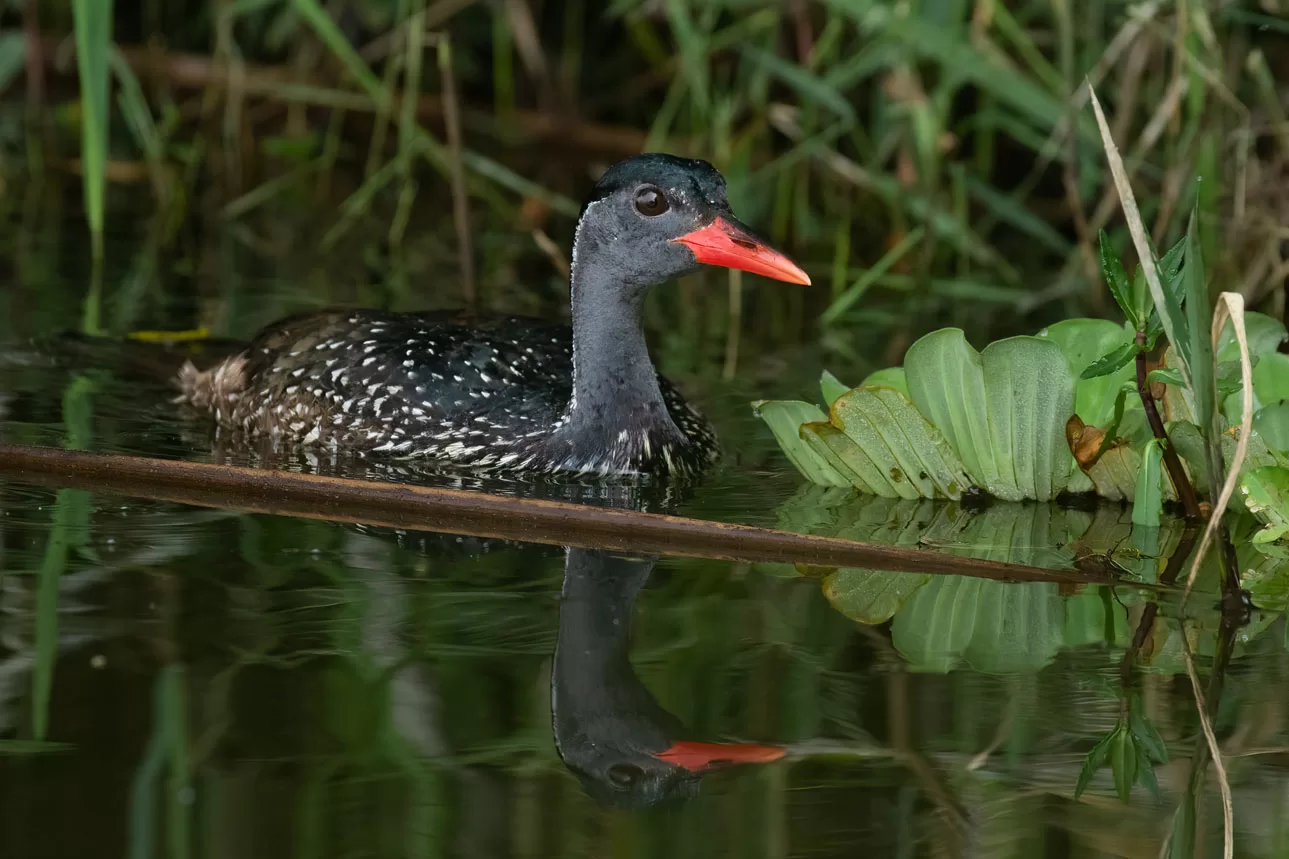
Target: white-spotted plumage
{"type": "Point", "coordinates": [500, 394]}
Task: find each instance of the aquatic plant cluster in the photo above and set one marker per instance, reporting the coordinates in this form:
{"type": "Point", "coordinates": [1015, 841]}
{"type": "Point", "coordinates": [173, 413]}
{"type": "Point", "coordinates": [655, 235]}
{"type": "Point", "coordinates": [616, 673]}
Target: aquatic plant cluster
{"type": "Point", "coordinates": [1038, 417]}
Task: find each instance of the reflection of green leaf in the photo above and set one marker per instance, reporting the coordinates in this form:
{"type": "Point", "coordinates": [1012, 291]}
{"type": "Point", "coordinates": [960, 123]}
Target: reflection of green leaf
{"type": "Point", "coordinates": [1095, 760]}
{"type": "Point", "coordinates": [784, 418]}
{"type": "Point", "coordinates": [1123, 763]}
{"type": "Point", "coordinates": [1145, 732]}
{"type": "Point", "coordinates": [31, 747]}
{"type": "Point", "coordinates": [1131, 748]}
{"type": "Point", "coordinates": [871, 596]}
{"type": "Point", "coordinates": [998, 627]}
{"type": "Point", "coordinates": [1266, 495]}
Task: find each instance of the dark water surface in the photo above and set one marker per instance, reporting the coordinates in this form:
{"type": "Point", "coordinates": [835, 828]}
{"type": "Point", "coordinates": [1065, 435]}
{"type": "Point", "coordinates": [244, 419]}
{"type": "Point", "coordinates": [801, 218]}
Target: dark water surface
{"type": "Point", "coordinates": [178, 681]}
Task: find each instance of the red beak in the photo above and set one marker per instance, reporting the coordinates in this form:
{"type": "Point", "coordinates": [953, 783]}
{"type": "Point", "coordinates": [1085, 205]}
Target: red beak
{"type": "Point", "coordinates": [700, 757]}
{"type": "Point", "coordinates": [730, 245]}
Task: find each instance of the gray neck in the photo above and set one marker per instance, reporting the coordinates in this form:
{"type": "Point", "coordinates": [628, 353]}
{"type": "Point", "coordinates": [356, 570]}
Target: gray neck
{"type": "Point", "coordinates": [615, 386]}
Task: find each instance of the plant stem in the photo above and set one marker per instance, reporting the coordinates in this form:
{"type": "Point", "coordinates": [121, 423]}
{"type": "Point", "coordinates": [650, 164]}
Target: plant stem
{"type": "Point", "coordinates": [1182, 484]}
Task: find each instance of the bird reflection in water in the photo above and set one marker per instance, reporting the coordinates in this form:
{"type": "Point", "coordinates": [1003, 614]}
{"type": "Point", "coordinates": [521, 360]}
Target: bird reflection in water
{"type": "Point", "coordinates": [609, 729]}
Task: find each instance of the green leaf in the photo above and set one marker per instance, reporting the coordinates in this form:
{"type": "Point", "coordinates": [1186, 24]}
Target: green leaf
{"type": "Point", "coordinates": [1115, 474]}
{"type": "Point", "coordinates": [891, 377]}
{"type": "Point", "coordinates": [1168, 270]}
{"type": "Point", "coordinates": [1083, 341]}
{"type": "Point", "coordinates": [1029, 393]}
{"type": "Point", "coordinates": [1266, 495]}
{"type": "Point", "coordinates": [1111, 363]}
{"type": "Point", "coordinates": [911, 452]}
{"type": "Point", "coordinates": [1167, 375]}
{"type": "Point", "coordinates": [1116, 419]}
{"type": "Point", "coordinates": [1199, 355]}
{"type": "Point", "coordinates": [1117, 280]}
{"type": "Point", "coordinates": [831, 387]}
{"type": "Point", "coordinates": [1265, 334]}
{"type": "Point", "coordinates": [1148, 502]}
{"type": "Point", "coordinates": [1095, 760]}
{"type": "Point", "coordinates": [784, 418]}
{"type": "Point", "coordinates": [1271, 378]}
{"type": "Point", "coordinates": [851, 462]}
{"type": "Point", "coordinates": [1271, 423]}
{"type": "Point", "coordinates": [1003, 411]}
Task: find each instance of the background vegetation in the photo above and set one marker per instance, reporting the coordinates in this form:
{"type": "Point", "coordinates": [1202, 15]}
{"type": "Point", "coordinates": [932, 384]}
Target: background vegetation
{"type": "Point", "coordinates": [932, 162]}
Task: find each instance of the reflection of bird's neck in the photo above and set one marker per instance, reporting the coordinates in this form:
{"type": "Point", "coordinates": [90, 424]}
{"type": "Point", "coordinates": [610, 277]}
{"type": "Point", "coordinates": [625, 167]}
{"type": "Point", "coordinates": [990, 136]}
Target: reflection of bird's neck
{"type": "Point", "coordinates": [598, 702]}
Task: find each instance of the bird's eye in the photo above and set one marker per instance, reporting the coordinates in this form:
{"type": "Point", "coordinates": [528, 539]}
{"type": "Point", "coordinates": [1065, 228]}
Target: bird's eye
{"type": "Point", "coordinates": [651, 202]}
{"type": "Point", "coordinates": [624, 775]}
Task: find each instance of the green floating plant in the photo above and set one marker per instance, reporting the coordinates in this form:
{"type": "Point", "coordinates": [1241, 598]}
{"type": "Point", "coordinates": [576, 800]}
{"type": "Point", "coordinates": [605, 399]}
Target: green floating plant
{"type": "Point", "coordinates": [1067, 411]}
{"type": "Point", "coordinates": [951, 418]}
{"type": "Point", "coordinates": [999, 420]}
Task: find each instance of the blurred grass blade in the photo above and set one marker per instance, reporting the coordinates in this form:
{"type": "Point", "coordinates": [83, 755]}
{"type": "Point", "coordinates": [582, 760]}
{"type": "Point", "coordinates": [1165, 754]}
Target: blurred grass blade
{"type": "Point", "coordinates": [801, 81]}
{"type": "Point", "coordinates": [13, 55]}
{"type": "Point", "coordinates": [856, 290]}
{"type": "Point", "coordinates": [507, 178]}
{"type": "Point", "coordinates": [137, 115]}
{"type": "Point", "coordinates": [326, 30]}
{"type": "Point", "coordinates": [93, 22]}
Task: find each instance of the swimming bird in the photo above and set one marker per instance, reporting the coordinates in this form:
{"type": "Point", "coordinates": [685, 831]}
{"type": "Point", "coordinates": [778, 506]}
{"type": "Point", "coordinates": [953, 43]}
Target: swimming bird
{"type": "Point", "coordinates": [509, 393]}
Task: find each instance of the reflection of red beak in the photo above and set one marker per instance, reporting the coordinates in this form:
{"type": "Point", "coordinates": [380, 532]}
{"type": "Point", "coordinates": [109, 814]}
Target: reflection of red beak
{"type": "Point", "coordinates": [730, 245]}
{"type": "Point", "coordinates": [700, 757]}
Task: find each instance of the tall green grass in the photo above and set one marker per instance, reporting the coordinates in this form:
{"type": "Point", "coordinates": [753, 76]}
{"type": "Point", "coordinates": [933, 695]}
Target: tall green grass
{"type": "Point", "coordinates": [93, 24]}
{"type": "Point", "coordinates": [934, 157]}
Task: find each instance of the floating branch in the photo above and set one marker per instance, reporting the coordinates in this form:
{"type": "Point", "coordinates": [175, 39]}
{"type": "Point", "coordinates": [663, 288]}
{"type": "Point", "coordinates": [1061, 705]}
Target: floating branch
{"type": "Point", "coordinates": [477, 514]}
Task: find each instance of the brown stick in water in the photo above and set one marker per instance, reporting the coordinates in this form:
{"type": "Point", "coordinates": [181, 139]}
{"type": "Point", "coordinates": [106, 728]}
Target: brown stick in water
{"type": "Point", "coordinates": [422, 508]}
